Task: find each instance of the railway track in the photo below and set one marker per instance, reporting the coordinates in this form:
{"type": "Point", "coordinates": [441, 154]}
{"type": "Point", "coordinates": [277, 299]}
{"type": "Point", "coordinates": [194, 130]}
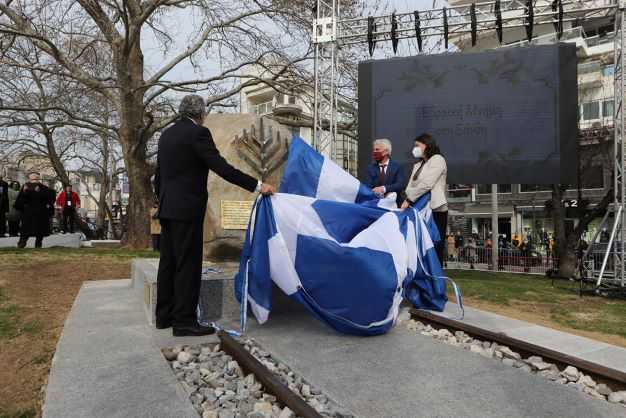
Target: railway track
{"type": "Point", "coordinates": [270, 382]}
{"type": "Point", "coordinates": [614, 379]}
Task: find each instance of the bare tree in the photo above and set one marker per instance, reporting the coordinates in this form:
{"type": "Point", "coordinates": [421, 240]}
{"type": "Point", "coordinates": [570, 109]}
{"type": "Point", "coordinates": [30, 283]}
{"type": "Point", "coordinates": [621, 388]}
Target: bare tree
{"type": "Point", "coordinates": [232, 34]}
{"type": "Point", "coordinates": [568, 242]}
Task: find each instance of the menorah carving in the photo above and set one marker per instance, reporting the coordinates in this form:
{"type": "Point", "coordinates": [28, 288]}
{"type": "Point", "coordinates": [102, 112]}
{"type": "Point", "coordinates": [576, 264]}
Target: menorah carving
{"type": "Point", "coordinates": [263, 150]}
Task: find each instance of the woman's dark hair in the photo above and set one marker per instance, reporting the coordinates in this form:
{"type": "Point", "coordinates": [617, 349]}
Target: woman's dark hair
{"type": "Point", "coordinates": [431, 145]}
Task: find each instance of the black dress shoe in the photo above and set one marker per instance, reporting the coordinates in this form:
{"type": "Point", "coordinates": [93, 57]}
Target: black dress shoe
{"type": "Point", "coordinates": [163, 325]}
{"type": "Point", "coordinates": [192, 331]}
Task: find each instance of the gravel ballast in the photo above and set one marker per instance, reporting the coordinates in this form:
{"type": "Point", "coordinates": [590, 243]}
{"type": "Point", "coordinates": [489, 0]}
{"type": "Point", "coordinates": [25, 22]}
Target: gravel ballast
{"type": "Point", "coordinates": [569, 376]}
{"type": "Point", "coordinates": [218, 388]}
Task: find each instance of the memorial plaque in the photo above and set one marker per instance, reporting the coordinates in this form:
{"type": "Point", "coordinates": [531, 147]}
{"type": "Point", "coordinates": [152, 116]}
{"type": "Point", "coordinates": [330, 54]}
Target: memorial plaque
{"type": "Point", "coordinates": [235, 214]}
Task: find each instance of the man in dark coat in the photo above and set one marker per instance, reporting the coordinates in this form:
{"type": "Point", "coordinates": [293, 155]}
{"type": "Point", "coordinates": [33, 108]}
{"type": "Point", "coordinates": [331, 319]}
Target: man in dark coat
{"type": "Point", "coordinates": [4, 205]}
{"type": "Point", "coordinates": [36, 204]}
{"type": "Point", "coordinates": [186, 154]}
{"type": "Point", "coordinates": [385, 175]}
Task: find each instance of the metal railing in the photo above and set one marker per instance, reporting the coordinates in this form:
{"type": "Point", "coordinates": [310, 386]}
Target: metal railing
{"type": "Point", "coordinates": [509, 260]}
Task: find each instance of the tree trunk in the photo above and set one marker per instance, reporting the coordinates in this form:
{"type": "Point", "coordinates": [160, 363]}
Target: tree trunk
{"type": "Point", "coordinates": [567, 258]}
{"type": "Point", "coordinates": [132, 135]}
{"type": "Point", "coordinates": [54, 158]}
{"type": "Point", "coordinates": [140, 199]}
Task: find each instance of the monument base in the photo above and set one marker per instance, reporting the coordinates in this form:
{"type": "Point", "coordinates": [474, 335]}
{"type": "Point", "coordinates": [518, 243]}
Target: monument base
{"type": "Point", "coordinates": [217, 295]}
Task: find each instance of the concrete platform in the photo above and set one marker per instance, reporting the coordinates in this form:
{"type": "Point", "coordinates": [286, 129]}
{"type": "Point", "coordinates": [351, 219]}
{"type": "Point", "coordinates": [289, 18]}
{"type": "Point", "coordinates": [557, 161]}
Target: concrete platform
{"type": "Point", "coordinates": [585, 348]}
{"type": "Point", "coordinates": [216, 292]}
{"type": "Point", "coordinates": [108, 361]}
{"type": "Point", "coordinates": [57, 240]}
{"type": "Point", "coordinates": [108, 364]}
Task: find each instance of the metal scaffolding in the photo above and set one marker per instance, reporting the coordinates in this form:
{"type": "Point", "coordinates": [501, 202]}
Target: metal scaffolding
{"type": "Point", "coordinates": [331, 32]}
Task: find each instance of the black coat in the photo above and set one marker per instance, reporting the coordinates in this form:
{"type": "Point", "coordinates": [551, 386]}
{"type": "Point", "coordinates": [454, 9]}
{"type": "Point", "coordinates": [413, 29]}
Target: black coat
{"type": "Point", "coordinates": [186, 154]}
{"type": "Point", "coordinates": [4, 196]}
{"type": "Point", "coordinates": [36, 204]}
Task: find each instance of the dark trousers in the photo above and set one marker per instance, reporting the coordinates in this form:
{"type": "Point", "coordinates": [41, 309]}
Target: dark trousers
{"type": "Point", "coordinates": [156, 238]}
{"type": "Point", "coordinates": [441, 220]}
{"type": "Point", "coordinates": [3, 222]}
{"type": "Point", "coordinates": [14, 228]}
{"type": "Point", "coordinates": [24, 240]}
{"type": "Point", "coordinates": [68, 220]}
{"type": "Point", "coordinates": [180, 272]}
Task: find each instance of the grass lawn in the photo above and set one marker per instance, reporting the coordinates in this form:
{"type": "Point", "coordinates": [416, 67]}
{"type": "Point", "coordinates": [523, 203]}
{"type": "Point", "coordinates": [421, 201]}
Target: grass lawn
{"type": "Point", "coordinates": [534, 299]}
{"type": "Point", "coordinates": [37, 289]}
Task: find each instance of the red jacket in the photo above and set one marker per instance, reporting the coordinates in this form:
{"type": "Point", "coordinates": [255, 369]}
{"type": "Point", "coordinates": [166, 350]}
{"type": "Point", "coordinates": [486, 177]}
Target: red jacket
{"type": "Point", "coordinates": [63, 196]}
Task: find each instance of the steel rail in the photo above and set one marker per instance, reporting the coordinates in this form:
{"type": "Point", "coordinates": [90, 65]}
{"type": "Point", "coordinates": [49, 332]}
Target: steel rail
{"type": "Point", "coordinates": [614, 379]}
{"type": "Point", "coordinates": [271, 383]}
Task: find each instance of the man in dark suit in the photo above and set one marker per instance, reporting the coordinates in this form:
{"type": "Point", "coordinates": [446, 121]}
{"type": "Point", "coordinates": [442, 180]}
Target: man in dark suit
{"type": "Point", "coordinates": [4, 205]}
{"type": "Point", "coordinates": [186, 154]}
{"type": "Point", "coordinates": [384, 175]}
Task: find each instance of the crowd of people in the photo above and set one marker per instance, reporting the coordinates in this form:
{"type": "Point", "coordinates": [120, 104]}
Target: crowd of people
{"type": "Point", "coordinates": [28, 209]}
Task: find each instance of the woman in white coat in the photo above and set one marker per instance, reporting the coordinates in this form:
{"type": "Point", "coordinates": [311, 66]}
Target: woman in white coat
{"type": "Point", "coordinates": [429, 175]}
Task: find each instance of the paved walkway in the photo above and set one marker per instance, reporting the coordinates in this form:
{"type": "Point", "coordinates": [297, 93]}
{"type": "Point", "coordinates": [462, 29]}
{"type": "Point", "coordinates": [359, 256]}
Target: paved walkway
{"type": "Point", "coordinates": [58, 240]}
{"type": "Point", "coordinates": [108, 364]}
{"type": "Point", "coordinates": [574, 345]}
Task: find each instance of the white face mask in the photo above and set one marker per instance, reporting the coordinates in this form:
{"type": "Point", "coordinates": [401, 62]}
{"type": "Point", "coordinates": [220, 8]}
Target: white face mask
{"type": "Point", "coordinates": [417, 152]}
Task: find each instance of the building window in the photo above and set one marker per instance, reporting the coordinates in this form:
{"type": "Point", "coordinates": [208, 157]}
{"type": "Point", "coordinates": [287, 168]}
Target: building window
{"type": "Point", "coordinates": [591, 110]}
{"type": "Point", "coordinates": [96, 187]}
{"type": "Point", "coordinates": [459, 190]}
{"type": "Point", "coordinates": [607, 108]}
{"type": "Point", "coordinates": [486, 188]}
{"type": "Point", "coordinates": [263, 108]}
{"type": "Point", "coordinates": [529, 188]}
{"type": "Point", "coordinates": [608, 71]}
{"type": "Point", "coordinates": [292, 100]}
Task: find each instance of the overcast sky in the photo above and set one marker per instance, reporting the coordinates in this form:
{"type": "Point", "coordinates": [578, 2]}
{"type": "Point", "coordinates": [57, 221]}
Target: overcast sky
{"type": "Point", "coordinates": [181, 23]}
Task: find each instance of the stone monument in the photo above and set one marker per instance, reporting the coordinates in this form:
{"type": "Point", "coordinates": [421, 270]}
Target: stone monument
{"type": "Point", "coordinates": [257, 146]}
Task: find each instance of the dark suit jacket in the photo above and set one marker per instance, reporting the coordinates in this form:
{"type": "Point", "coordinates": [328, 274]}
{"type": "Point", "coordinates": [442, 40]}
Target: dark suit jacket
{"type": "Point", "coordinates": [394, 177]}
{"type": "Point", "coordinates": [4, 197]}
{"type": "Point", "coordinates": [186, 154]}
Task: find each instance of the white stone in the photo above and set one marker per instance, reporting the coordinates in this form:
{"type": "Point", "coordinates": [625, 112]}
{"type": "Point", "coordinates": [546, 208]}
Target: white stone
{"type": "Point", "coordinates": [306, 391]}
{"type": "Point", "coordinates": [476, 349]}
{"type": "Point", "coordinates": [286, 413]}
{"type": "Point", "coordinates": [249, 381]}
{"type": "Point", "coordinates": [604, 389]}
{"type": "Point", "coordinates": [587, 381]}
{"type": "Point", "coordinates": [541, 365]}
{"type": "Point", "coordinates": [617, 397]}
{"type": "Point", "coordinates": [265, 407]}
{"type": "Point", "coordinates": [210, 414]}
{"type": "Point", "coordinates": [184, 357]}
{"type": "Point", "coordinates": [570, 373]}
{"type": "Point", "coordinates": [506, 351]}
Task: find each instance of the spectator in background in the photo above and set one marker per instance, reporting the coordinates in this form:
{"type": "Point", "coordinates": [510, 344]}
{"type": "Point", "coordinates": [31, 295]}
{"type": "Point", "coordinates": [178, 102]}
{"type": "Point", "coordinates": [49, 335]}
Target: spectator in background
{"type": "Point", "coordinates": [14, 214]}
{"type": "Point", "coordinates": [471, 252]}
{"type": "Point", "coordinates": [68, 202]}
{"type": "Point", "coordinates": [36, 205]}
{"type": "Point", "coordinates": [4, 206]}
{"type": "Point", "coordinates": [451, 247]}
{"type": "Point", "coordinates": [515, 240]}
{"type": "Point", "coordinates": [155, 227]}
{"type": "Point", "coordinates": [385, 175]}
{"type": "Point", "coordinates": [459, 241]}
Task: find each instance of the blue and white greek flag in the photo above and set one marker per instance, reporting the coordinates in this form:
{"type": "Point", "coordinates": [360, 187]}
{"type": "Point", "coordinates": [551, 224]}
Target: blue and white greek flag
{"type": "Point", "coordinates": [328, 242]}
